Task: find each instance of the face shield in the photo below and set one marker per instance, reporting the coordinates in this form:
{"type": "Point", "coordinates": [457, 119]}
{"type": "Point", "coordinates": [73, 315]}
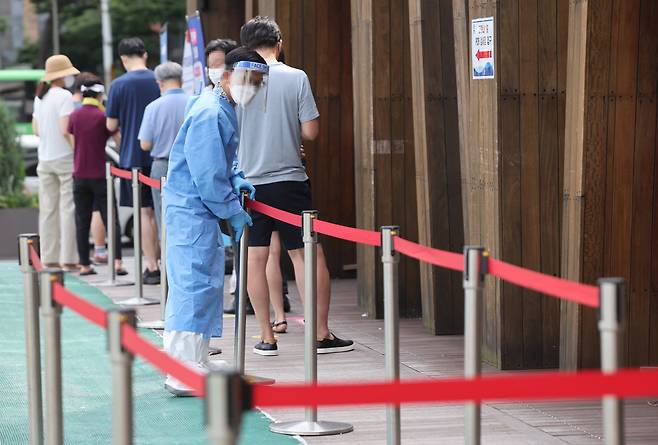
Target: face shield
{"type": "Point", "coordinates": [248, 83]}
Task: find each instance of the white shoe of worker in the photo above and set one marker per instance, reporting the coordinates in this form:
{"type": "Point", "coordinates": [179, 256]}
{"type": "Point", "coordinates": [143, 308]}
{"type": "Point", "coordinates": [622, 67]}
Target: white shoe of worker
{"type": "Point", "coordinates": [191, 349]}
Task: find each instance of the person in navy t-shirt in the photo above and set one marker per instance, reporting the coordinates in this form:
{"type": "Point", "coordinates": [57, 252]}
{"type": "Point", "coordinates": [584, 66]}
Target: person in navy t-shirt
{"type": "Point", "coordinates": [129, 95]}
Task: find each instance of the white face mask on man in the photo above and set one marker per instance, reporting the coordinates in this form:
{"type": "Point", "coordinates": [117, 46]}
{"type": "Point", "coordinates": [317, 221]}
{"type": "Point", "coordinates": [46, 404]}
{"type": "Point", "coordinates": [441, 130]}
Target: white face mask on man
{"type": "Point", "coordinates": [243, 94]}
{"type": "Point", "coordinates": [69, 81]}
{"type": "Point", "coordinates": [215, 74]}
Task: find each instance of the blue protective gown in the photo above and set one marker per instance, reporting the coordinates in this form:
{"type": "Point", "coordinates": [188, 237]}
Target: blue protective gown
{"type": "Point", "coordinates": [198, 192]}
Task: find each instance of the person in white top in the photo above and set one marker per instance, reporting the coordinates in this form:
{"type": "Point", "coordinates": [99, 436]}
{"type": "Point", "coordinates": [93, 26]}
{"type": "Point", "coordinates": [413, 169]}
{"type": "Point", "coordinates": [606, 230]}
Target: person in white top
{"type": "Point", "coordinates": [52, 108]}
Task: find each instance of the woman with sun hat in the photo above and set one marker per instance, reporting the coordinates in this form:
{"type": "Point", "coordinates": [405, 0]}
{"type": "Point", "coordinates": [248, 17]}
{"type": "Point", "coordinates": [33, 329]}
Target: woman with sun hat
{"type": "Point", "coordinates": [52, 107]}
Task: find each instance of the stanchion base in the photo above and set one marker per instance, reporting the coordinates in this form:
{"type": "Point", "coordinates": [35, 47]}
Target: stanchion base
{"type": "Point", "coordinates": [115, 283]}
{"type": "Point", "coordinates": [256, 380]}
{"type": "Point", "coordinates": [155, 324]}
{"type": "Point", "coordinates": [138, 302]}
{"type": "Point", "coordinates": [305, 428]}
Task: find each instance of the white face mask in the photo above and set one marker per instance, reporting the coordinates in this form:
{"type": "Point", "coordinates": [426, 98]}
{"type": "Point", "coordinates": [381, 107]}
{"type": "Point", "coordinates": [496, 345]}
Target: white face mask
{"type": "Point", "coordinates": [243, 94]}
{"type": "Point", "coordinates": [215, 74]}
{"type": "Point", "coordinates": [69, 81]}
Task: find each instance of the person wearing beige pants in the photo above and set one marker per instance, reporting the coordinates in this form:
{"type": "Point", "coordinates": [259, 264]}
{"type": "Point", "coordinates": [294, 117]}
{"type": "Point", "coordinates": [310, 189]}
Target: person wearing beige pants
{"type": "Point", "coordinates": [57, 212]}
{"type": "Point", "coordinates": [52, 106]}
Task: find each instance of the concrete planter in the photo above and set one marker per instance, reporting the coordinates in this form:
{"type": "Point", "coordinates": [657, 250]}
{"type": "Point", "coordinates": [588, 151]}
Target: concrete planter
{"type": "Point", "coordinates": [12, 223]}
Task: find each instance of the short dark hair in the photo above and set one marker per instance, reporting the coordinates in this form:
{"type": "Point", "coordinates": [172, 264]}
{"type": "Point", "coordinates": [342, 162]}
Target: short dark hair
{"type": "Point", "coordinates": [90, 81]}
{"type": "Point", "coordinates": [131, 46]}
{"type": "Point", "coordinates": [80, 79]}
{"type": "Point", "coordinates": [260, 32]}
{"type": "Point", "coordinates": [223, 45]}
{"type": "Point", "coordinates": [242, 54]}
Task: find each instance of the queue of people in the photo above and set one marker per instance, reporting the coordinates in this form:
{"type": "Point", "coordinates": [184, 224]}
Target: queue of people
{"type": "Point", "coordinates": [244, 132]}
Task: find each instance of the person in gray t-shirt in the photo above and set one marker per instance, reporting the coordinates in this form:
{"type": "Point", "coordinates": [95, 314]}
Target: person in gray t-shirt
{"type": "Point", "coordinates": [269, 155]}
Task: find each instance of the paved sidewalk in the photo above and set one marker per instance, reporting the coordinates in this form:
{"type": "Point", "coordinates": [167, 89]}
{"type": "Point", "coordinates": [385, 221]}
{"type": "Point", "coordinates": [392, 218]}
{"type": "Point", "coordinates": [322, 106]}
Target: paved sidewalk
{"type": "Point", "coordinates": [422, 356]}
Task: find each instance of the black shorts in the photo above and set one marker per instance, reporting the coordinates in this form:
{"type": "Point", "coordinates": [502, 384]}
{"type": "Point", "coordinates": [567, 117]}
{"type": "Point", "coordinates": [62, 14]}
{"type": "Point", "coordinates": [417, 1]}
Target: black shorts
{"type": "Point", "coordinates": [291, 196]}
{"type": "Point", "coordinates": [126, 195]}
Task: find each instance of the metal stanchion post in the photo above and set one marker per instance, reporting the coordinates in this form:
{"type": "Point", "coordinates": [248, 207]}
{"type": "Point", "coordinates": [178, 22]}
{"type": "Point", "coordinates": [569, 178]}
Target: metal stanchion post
{"type": "Point", "coordinates": [611, 291]}
{"type": "Point", "coordinates": [111, 228]}
{"type": "Point", "coordinates": [475, 269]}
{"type": "Point", "coordinates": [139, 299]}
{"type": "Point", "coordinates": [241, 302]}
{"type": "Point", "coordinates": [241, 306]}
{"type": "Point", "coordinates": [390, 260]}
{"type": "Point", "coordinates": [122, 382]}
{"type": "Point", "coordinates": [310, 426]}
{"type": "Point", "coordinates": [111, 231]}
{"type": "Point", "coordinates": [50, 313]}
{"type": "Point", "coordinates": [32, 338]}
{"type": "Point", "coordinates": [164, 286]}
{"type": "Point", "coordinates": [224, 403]}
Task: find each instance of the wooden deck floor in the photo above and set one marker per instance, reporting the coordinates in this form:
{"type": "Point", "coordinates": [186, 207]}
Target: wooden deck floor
{"type": "Point", "coordinates": [422, 356]}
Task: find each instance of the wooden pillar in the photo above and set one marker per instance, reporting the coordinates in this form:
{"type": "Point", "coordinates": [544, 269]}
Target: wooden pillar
{"type": "Point", "coordinates": [248, 10]}
{"type": "Point", "coordinates": [222, 19]}
{"type": "Point", "coordinates": [572, 216]}
{"type": "Point", "coordinates": [191, 6]}
{"type": "Point", "coordinates": [362, 58]}
{"type": "Point", "coordinates": [317, 39]}
{"type": "Point", "coordinates": [611, 179]}
{"type": "Point", "coordinates": [267, 8]}
{"type": "Point", "coordinates": [512, 158]}
{"type": "Point", "coordinates": [479, 155]}
{"type": "Point", "coordinates": [385, 166]}
{"type": "Point", "coordinates": [436, 148]}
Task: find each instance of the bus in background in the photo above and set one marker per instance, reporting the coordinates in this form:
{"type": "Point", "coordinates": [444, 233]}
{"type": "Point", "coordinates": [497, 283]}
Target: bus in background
{"type": "Point", "coordinates": [17, 90]}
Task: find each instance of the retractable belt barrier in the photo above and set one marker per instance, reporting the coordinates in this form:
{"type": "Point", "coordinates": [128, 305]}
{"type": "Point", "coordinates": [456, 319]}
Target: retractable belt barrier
{"type": "Point", "coordinates": [537, 281]}
{"type": "Point", "coordinates": [228, 394]}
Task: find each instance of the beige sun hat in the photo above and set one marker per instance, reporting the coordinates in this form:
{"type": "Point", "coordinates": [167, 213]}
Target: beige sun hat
{"type": "Point", "coordinates": [59, 66]}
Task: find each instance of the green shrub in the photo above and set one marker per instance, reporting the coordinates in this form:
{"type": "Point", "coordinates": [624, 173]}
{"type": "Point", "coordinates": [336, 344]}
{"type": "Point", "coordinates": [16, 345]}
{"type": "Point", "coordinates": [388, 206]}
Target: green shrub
{"type": "Point", "coordinates": [20, 199]}
{"type": "Point", "coordinates": [12, 169]}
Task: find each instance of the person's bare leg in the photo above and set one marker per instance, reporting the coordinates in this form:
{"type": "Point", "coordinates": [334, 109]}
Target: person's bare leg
{"type": "Point", "coordinates": [97, 229]}
{"type": "Point", "coordinates": [323, 284]}
{"type": "Point", "coordinates": [258, 291]}
{"type": "Point", "coordinates": [150, 243]}
{"type": "Point", "coordinates": [275, 278]}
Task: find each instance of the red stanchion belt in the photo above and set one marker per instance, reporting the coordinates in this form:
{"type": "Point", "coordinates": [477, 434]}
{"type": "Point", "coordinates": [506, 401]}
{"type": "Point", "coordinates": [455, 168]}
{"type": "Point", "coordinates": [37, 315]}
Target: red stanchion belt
{"type": "Point", "coordinates": [125, 174]}
{"type": "Point", "coordinates": [153, 183]}
{"type": "Point", "coordinates": [290, 218]}
{"type": "Point", "coordinates": [546, 284]}
{"type": "Point", "coordinates": [134, 343]}
{"type": "Point", "coordinates": [359, 236]}
{"type": "Point", "coordinates": [82, 307]}
{"type": "Point", "coordinates": [34, 257]}
{"type": "Point", "coordinates": [334, 230]}
{"type": "Point", "coordinates": [537, 386]}
{"type": "Point", "coordinates": [441, 258]}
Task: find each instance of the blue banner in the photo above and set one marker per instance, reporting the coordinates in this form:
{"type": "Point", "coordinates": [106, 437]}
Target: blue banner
{"type": "Point", "coordinates": [164, 44]}
{"type": "Point", "coordinates": [197, 44]}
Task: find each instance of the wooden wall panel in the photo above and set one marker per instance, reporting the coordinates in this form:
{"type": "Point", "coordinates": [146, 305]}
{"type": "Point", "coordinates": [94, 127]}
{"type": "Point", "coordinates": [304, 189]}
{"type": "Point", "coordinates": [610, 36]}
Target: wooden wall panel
{"type": "Point", "coordinates": [317, 39]}
{"type": "Point", "coordinates": [511, 302]}
{"type": "Point", "coordinates": [515, 166]}
{"type": "Point", "coordinates": [221, 18]}
{"type": "Point", "coordinates": [619, 171]}
{"type": "Point", "coordinates": [437, 164]}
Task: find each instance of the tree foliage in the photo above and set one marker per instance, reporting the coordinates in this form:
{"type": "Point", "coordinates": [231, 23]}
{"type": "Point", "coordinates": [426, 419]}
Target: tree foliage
{"type": "Point", "coordinates": [80, 27]}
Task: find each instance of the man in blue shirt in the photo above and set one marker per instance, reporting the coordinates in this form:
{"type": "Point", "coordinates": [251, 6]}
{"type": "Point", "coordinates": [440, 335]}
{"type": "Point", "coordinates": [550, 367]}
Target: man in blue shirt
{"type": "Point", "coordinates": [129, 96]}
{"type": "Point", "coordinates": [162, 119]}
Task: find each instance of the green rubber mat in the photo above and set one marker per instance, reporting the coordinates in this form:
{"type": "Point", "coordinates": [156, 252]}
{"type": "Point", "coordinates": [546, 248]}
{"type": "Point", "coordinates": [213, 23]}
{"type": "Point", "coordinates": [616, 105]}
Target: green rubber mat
{"type": "Point", "coordinates": [158, 416]}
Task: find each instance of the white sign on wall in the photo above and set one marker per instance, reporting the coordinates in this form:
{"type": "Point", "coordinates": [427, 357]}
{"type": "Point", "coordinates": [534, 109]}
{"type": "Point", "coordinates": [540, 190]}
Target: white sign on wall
{"type": "Point", "coordinates": [482, 48]}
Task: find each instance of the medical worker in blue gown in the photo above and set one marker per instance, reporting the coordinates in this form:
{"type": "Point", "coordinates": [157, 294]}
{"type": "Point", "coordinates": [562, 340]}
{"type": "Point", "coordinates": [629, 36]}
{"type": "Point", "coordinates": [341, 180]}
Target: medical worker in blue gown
{"type": "Point", "coordinates": [202, 187]}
